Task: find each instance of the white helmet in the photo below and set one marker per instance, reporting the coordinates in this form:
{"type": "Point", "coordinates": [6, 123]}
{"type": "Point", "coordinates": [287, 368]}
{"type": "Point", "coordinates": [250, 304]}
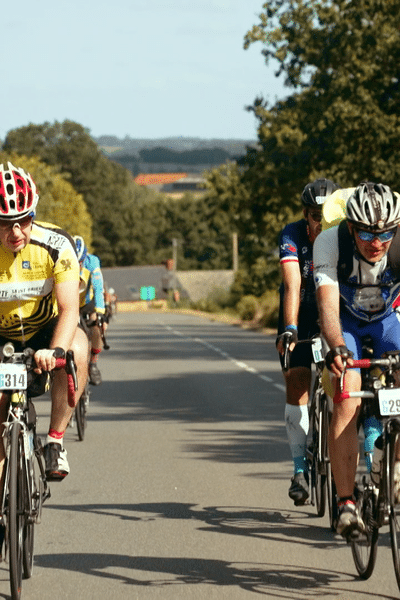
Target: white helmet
{"type": "Point", "coordinates": [373, 206]}
{"type": "Point", "coordinates": [18, 195]}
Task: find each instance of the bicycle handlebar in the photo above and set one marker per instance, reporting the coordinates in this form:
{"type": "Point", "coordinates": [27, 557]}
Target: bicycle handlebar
{"type": "Point", "coordinates": [64, 360]}
{"type": "Point", "coordinates": [99, 322]}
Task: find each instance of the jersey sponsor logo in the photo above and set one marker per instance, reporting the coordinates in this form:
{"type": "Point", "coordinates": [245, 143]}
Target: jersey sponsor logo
{"type": "Point", "coordinates": [288, 247]}
{"type": "Point", "coordinates": [304, 249]}
{"type": "Point", "coordinates": [56, 241]}
{"type": "Point", "coordinates": [67, 264]}
{"type": "Point", "coordinates": [25, 290]}
{"type": "Point", "coordinates": [26, 264]}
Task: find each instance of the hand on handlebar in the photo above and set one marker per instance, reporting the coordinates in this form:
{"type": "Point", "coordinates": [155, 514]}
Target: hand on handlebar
{"type": "Point", "coordinates": [336, 359]}
{"type": "Point", "coordinates": [45, 359]}
{"type": "Point", "coordinates": [284, 338]}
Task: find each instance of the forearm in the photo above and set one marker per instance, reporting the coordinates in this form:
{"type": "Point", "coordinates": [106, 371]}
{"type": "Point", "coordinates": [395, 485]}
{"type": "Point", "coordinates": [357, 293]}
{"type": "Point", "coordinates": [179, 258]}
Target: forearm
{"type": "Point", "coordinates": [65, 329]}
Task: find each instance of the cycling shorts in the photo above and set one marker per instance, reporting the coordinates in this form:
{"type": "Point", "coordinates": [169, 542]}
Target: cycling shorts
{"type": "Point", "coordinates": [384, 334]}
{"type": "Point", "coordinates": [302, 355]}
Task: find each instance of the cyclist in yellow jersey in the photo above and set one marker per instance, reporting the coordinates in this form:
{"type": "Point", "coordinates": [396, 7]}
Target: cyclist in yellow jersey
{"type": "Point", "coordinates": [39, 301]}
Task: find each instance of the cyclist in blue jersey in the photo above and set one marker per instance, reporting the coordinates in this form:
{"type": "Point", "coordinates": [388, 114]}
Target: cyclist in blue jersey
{"type": "Point", "coordinates": [357, 277]}
{"type": "Point", "coordinates": [92, 303]}
{"type": "Point", "coordinates": [298, 318]}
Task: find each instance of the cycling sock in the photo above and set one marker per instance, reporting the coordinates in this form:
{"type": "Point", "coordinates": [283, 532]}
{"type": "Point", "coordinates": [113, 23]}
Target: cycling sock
{"type": "Point", "coordinates": [55, 437]}
{"type": "Point", "coordinates": [372, 430]}
{"type": "Point", "coordinates": [297, 423]}
{"type": "Point", "coordinates": [345, 500]}
{"type": "Point", "coordinates": [94, 354]}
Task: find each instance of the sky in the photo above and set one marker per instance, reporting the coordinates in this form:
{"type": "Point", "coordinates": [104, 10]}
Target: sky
{"type": "Point", "coordinates": [137, 68]}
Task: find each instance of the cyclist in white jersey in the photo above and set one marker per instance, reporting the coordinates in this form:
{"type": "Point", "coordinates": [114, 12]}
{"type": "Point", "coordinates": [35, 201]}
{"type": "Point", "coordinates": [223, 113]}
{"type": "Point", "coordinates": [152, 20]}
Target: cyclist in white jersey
{"type": "Point", "coordinates": [358, 287]}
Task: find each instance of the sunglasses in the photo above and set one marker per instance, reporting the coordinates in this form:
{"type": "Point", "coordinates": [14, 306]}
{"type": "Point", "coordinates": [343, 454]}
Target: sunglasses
{"type": "Point", "coordinates": [368, 236]}
{"type": "Point", "coordinates": [316, 216]}
{"type": "Point", "coordinates": [6, 225]}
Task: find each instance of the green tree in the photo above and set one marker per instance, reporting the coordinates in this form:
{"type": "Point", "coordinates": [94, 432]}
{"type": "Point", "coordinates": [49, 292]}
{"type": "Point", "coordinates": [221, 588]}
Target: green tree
{"type": "Point", "coordinates": [58, 201]}
{"type": "Point", "coordinates": [343, 56]}
{"type": "Point", "coordinates": [107, 187]}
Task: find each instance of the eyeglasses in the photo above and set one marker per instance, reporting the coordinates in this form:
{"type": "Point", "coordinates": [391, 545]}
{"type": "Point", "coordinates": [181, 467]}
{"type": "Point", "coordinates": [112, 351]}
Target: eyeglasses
{"type": "Point", "coordinates": [6, 225]}
{"type": "Point", "coordinates": [316, 216]}
{"type": "Point", "coordinates": [368, 236]}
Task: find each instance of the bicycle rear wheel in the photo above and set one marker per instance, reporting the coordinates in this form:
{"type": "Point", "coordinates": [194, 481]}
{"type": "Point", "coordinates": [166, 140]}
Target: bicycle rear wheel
{"type": "Point", "coordinates": [394, 506]}
{"type": "Point", "coordinates": [364, 548]}
{"type": "Point", "coordinates": [16, 511]}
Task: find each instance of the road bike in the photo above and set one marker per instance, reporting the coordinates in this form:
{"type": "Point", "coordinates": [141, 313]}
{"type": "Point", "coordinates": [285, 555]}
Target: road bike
{"type": "Point", "coordinates": [378, 506]}
{"type": "Point", "coordinates": [321, 482]}
{"type": "Point", "coordinates": [25, 487]}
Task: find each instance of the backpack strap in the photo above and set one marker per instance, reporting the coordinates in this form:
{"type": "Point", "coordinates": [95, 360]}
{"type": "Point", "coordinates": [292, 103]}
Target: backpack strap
{"type": "Point", "coordinates": [394, 255]}
{"type": "Point", "coordinates": [345, 262]}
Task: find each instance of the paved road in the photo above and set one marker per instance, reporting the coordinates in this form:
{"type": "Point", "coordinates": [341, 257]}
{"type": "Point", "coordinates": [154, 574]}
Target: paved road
{"type": "Point", "coordinates": [179, 490]}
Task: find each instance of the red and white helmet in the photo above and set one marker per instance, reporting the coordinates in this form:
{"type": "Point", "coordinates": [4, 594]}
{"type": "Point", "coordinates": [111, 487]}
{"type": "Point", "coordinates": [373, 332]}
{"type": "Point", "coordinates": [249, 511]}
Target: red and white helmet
{"type": "Point", "coordinates": [18, 195]}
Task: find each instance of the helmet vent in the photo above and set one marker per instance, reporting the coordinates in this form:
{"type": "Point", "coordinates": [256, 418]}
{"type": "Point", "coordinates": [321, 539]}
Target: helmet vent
{"type": "Point", "coordinates": [21, 200]}
{"type": "Point", "coordinates": [3, 206]}
{"type": "Point", "coordinates": [10, 188]}
{"type": "Point", "coordinates": [12, 204]}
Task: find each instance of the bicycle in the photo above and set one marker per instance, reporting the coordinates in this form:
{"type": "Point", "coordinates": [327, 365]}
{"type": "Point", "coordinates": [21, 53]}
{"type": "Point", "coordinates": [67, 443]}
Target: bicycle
{"type": "Point", "coordinates": [378, 506]}
{"type": "Point", "coordinates": [25, 487]}
{"type": "Point", "coordinates": [321, 482]}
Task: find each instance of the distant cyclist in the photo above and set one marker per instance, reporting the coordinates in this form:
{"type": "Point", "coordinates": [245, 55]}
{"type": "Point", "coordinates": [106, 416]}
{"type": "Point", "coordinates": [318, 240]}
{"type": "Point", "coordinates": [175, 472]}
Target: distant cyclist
{"type": "Point", "coordinates": [357, 276]}
{"type": "Point", "coordinates": [39, 308]}
{"type": "Point", "coordinates": [298, 320]}
{"type": "Point", "coordinates": [92, 303]}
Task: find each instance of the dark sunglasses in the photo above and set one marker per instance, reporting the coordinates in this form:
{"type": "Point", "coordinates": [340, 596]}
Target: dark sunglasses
{"type": "Point", "coordinates": [368, 236]}
{"type": "Point", "coordinates": [316, 216]}
{"type": "Point", "coordinates": [8, 225]}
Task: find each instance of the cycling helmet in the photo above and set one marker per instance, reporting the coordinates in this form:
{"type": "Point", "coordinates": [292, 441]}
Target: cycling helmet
{"type": "Point", "coordinates": [373, 206]}
{"type": "Point", "coordinates": [315, 193]}
{"type": "Point", "coordinates": [81, 249]}
{"type": "Point", "coordinates": [18, 195]}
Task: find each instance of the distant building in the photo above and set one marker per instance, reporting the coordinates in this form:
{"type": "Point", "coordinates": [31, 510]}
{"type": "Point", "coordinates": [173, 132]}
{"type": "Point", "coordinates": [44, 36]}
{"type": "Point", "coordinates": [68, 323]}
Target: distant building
{"type": "Point", "coordinates": [173, 184]}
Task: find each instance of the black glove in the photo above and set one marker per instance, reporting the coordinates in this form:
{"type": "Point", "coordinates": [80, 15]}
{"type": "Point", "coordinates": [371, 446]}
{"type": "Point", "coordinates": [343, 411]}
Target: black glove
{"type": "Point", "coordinates": [289, 335]}
{"type": "Point", "coordinates": [338, 351]}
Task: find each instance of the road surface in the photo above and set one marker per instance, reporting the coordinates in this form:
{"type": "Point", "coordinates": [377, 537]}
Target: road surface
{"type": "Point", "coordinates": [179, 490]}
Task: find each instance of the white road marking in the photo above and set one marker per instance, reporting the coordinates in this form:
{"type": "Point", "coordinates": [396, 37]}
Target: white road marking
{"type": "Point", "coordinates": [238, 363]}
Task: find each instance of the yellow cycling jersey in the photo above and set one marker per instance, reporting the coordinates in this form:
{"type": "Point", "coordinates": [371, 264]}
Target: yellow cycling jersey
{"type": "Point", "coordinates": [27, 279]}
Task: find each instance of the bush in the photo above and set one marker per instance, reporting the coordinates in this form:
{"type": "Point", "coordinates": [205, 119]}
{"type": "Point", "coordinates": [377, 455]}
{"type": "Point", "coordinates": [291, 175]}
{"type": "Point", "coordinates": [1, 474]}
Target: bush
{"type": "Point", "coordinates": [269, 308]}
{"type": "Point", "coordinates": [247, 308]}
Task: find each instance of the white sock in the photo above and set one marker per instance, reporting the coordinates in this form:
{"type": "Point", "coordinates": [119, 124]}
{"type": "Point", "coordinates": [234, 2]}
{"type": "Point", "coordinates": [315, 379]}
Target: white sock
{"type": "Point", "coordinates": [297, 424]}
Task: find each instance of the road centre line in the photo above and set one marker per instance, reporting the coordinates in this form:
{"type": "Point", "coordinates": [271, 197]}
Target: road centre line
{"type": "Point", "coordinates": [238, 363]}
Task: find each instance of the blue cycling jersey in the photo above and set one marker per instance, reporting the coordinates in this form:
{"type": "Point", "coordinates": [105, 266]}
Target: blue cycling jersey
{"type": "Point", "coordinates": [295, 246]}
{"type": "Point", "coordinates": [92, 283]}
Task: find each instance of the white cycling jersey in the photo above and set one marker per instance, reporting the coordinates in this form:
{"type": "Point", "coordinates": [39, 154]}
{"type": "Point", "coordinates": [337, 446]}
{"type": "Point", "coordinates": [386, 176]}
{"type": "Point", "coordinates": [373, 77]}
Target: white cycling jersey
{"type": "Point", "coordinates": [370, 291]}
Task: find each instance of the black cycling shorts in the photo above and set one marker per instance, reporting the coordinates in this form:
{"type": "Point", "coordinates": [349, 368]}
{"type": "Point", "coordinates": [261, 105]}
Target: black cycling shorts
{"type": "Point", "coordinates": [302, 354]}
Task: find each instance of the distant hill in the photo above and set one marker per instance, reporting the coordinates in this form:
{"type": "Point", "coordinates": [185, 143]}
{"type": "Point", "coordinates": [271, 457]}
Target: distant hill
{"type": "Point", "coordinates": [171, 154]}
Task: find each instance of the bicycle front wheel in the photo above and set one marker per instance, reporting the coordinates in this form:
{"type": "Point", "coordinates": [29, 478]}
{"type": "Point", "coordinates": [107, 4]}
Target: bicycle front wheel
{"type": "Point", "coordinates": [364, 548]}
{"type": "Point", "coordinates": [394, 505]}
{"type": "Point", "coordinates": [17, 499]}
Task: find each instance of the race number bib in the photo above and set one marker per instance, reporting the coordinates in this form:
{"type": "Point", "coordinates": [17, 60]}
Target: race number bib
{"type": "Point", "coordinates": [13, 377]}
{"type": "Point", "coordinates": [389, 402]}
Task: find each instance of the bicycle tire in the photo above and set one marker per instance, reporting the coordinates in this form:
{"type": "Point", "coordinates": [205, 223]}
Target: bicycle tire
{"type": "Point", "coordinates": [364, 548]}
{"type": "Point", "coordinates": [29, 530]}
{"type": "Point", "coordinates": [16, 511]}
{"type": "Point", "coordinates": [394, 507]}
{"type": "Point", "coordinates": [80, 416]}
{"type": "Point", "coordinates": [317, 467]}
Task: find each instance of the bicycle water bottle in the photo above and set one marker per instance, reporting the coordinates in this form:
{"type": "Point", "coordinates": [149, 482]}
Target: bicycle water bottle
{"type": "Point", "coordinates": [376, 468]}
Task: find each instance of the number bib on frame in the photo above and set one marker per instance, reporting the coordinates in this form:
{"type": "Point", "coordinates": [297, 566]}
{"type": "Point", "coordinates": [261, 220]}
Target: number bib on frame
{"type": "Point", "coordinates": [13, 377]}
{"type": "Point", "coordinates": [389, 402]}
